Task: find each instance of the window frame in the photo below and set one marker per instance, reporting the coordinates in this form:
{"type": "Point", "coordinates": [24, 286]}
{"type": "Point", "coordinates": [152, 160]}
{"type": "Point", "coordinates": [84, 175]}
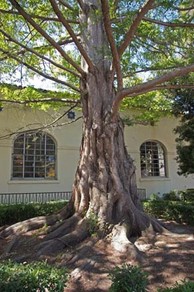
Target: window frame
{"type": "Point", "coordinates": [45, 155]}
{"type": "Point", "coordinates": [154, 168]}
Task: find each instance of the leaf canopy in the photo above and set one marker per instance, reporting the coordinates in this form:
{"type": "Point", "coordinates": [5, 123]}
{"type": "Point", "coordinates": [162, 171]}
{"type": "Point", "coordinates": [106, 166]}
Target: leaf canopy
{"type": "Point", "coordinates": [150, 44]}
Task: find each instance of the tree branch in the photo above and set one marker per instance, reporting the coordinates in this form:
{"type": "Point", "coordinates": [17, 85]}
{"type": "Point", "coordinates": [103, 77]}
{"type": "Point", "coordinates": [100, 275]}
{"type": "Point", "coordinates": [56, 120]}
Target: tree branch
{"type": "Point", "coordinates": [133, 28]}
{"type": "Point", "coordinates": [47, 126]}
{"type": "Point", "coordinates": [41, 100]}
{"type": "Point", "coordinates": [65, 4]}
{"type": "Point", "coordinates": [44, 18]}
{"type": "Point", "coordinates": [109, 33]}
{"type": "Point", "coordinates": [81, 4]}
{"type": "Point", "coordinates": [52, 124]}
{"type": "Point", "coordinates": [174, 86]}
{"type": "Point", "coordinates": [38, 55]}
{"type": "Point", "coordinates": [149, 85]}
{"type": "Point", "coordinates": [39, 72]}
{"type": "Point", "coordinates": [72, 34]}
{"type": "Point", "coordinates": [46, 36]}
{"type": "Point", "coordinates": [171, 24]}
{"type": "Point", "coordinates": [67, 41]}
{"type": "Point", "coordinates": [183, 9]}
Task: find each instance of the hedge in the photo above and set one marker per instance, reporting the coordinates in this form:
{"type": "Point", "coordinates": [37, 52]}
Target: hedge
{"type": "Point", "coordinates": [181, 212]}
{"type": "Point", "coordinates": [10, 214]}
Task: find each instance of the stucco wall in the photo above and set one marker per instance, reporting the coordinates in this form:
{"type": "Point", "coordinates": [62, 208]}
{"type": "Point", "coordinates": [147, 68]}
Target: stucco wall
{"type": "Point", "coordinates": [68, 140]}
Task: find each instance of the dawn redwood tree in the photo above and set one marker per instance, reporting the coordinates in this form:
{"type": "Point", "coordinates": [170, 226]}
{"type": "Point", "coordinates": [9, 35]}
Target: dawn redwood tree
{"type": "Point", "coordinates": [102, 54]}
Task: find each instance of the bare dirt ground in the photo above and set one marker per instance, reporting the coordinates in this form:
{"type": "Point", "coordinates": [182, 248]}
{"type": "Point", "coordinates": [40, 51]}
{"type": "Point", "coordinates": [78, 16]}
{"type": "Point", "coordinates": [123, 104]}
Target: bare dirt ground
{"type": "Point", "coordinates": [167, 258]}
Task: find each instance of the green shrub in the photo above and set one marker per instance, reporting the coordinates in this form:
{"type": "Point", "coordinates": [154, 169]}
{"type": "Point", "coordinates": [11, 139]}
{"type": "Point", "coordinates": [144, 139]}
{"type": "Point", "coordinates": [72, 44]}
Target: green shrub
{"type": "Point", "coordinates": [171, 196]}
{"type": "Point", "coordinates": [31, 277]}
{"type": "Point", "coordinates": [10, 214]}
{"type": "Point", "coordinates": [154, 197]}
{"type": "Point", "coordinates": [184, 286]}
{"type": "Point", "coordinates": [155, 208]}
{"type": "Point", "coordinates": [189, 195]}
{"type": "Point", "coordinates": [128, 278]}
{"type": "Point", "coordinates": [181, 212]}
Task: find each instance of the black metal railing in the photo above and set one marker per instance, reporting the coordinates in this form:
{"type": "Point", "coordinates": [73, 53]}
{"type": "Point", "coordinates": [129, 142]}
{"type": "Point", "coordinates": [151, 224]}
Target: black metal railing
{"type": "Point", "coordinates": [43, 197]}
{"type": "Point", "coordinates": [26, 198]}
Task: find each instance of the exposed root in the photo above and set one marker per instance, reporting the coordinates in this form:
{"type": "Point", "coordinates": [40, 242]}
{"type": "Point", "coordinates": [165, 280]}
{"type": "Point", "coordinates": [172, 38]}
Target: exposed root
{"type": "Point", "coordinates": [63, 227]}
{"type": "Point", "coordinates": [57, 244]}
{"type": "Point", "coordinates": [126, 235]}
{"type": "Point", "coordinates": [64, 231]}
{"type": "Point", "coordinates": [28, 225]}
{"type": "Point", "coordinates": [121, 243]}
{"type": "Point", "coordinates": [35, 223]}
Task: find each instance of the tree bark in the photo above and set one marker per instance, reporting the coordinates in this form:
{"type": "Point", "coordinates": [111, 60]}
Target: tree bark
{"type": "Point", "coordinates": [105, 182]}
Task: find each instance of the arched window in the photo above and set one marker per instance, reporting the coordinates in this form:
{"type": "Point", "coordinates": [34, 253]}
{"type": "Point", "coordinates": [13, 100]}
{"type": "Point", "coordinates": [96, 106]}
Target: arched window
{"type": "Point", "coordinates": [152, 156]}
{"type": "Point", "coordinates": [34, 156]}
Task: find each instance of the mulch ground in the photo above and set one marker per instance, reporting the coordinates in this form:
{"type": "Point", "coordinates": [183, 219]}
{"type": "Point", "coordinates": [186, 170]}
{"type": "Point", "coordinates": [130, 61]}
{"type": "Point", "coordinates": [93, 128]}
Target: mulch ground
{"type": "Point", "coordinates": [167, 258]}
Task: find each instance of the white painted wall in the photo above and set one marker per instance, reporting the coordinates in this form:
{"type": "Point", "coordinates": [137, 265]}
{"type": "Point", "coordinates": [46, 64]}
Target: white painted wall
{"type": "Point", "coordinates": [68, 140]}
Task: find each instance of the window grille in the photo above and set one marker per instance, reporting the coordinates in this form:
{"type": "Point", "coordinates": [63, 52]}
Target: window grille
{"type": "Point", "coordinates": [152, 159]}
{"type": "Point", "coordinates": [34, 156]}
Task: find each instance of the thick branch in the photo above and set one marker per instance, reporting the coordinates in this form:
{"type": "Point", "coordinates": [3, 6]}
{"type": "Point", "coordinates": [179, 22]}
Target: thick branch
{"type": "Point", "coordinates": [109, 33]}
{"type": "Point", "coordinates": [171, 24]}
{"type": "Point", "coordinates": [72, 34]}
{"type": "Point", "coordinates": [166, 86]}
{"type": "Point", "coordinates": [46, 36]}
{"type": "Point", "coordinates": [133, 28]}
{"type": "Point", "coordinates": [39, 55]}
{"type": "Point", "coordinates": [38, 71]}
{"type": "Point", "coordinates": [149, 85]}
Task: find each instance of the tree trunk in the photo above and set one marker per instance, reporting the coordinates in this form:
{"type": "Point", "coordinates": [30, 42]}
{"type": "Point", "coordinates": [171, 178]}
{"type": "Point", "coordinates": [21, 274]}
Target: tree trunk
{"type": "Point", "coordinates": [105, 183]}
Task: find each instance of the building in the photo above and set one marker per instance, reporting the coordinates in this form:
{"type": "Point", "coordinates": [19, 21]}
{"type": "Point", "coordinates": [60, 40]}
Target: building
{"type": "Point", "coordinates": [46, 161]}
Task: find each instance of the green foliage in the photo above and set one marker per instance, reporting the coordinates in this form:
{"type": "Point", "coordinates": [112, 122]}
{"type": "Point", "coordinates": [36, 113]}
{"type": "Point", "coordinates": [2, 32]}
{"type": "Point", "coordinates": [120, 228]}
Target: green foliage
{"type": "Point", "coordinates": [183, 107]}
{"type": "Point", "coordinates": [92, 223]}
{"type": "Point", "coordinates": [34, 97]}
{"type": "Point", "coordinates": [148, 108]}
{"type": "Point", "coordinates": [181, 212]}
{"type": "Point", "coordinates": [10, 214]}
{"type": "Point", "coordinates": [36, 48]}
{"type": "Point", "coordinates": [37, 276]}
{"type": "Point", "coordinates": [128, 278]}
{"type": "Point", "coordinates": [185, 159]}
{"type": "Point", "coordinates": [155, 208]}
{"type": "Point", "coordinates": [189, 195]}
{"type": "Point", "coordinates": [171, 196]}
{"type": "Point", "coordinates": [184, 286]}
{"type": "Point", "coordinates": [154, 197]}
